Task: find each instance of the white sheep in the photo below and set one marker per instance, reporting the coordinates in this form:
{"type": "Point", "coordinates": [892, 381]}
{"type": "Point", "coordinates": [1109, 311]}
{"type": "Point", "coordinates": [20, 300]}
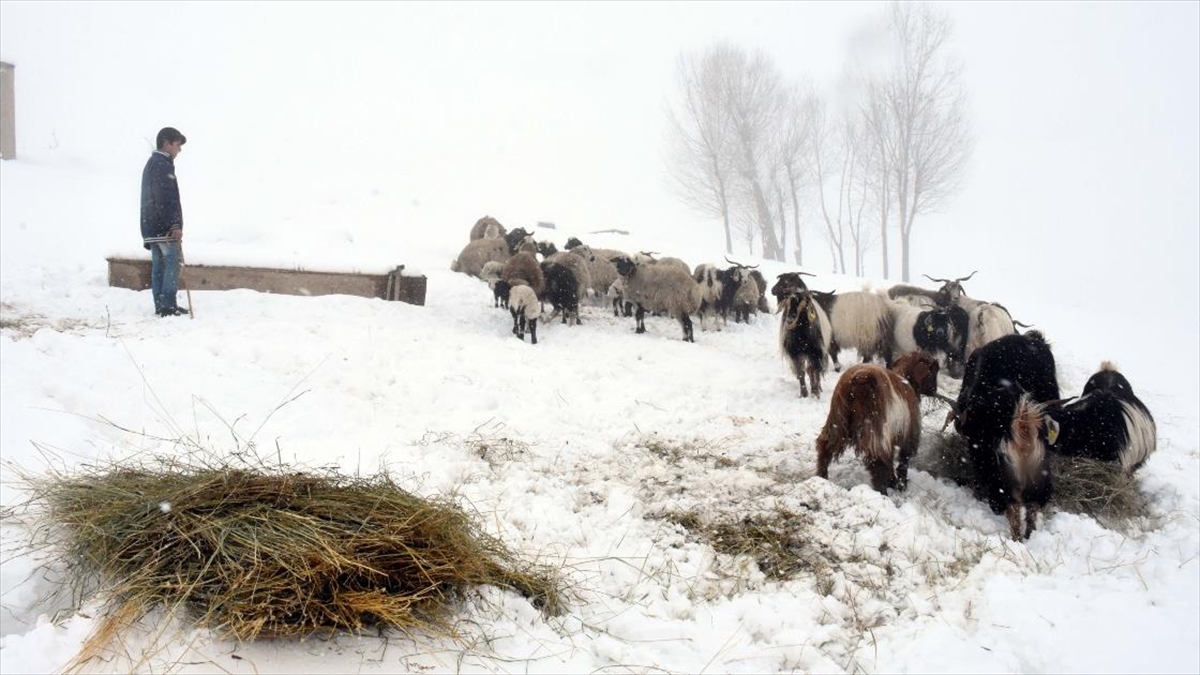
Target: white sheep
{"type": "Point", "coordinates": [660, 288]}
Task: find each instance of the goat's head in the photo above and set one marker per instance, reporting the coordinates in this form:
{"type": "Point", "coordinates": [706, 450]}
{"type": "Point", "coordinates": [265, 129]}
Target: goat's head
{"type": "Point", "coordinates": [920, 370]}
{"type": "Point", "coordinates": [951, 289]}
{"type": "Point", "coordinates": [789, 283]}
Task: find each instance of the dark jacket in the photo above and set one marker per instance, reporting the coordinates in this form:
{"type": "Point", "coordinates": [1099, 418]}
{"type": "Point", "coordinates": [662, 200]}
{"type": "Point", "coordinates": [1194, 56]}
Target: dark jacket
{"type": "Point", "coordinates": [160, 199]}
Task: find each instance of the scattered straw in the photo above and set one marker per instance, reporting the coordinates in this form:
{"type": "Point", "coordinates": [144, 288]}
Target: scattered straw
{"type": "Point", "coordinates": [253, 553]}
{"type": "Point", "coordinates": [777, 541]}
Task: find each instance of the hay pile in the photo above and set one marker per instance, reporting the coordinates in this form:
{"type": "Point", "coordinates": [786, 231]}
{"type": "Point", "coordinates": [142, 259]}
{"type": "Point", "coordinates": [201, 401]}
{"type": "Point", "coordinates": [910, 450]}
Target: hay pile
{"type": "Point", "coordinates": [779, 541]}
{"type": "Point", "coordinates": [1089, 487]}
{"type": "Point", "coordinates": [252, 553]}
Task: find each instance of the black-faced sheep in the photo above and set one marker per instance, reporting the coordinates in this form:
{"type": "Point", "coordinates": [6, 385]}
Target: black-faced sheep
{"type": "Point", "coordinates": [657, 287]}
{"type": "Point", "coordinates": [562, 291]}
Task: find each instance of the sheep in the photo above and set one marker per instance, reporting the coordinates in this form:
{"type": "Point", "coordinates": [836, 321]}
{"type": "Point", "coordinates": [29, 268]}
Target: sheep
{"type": "Point", "coordinates": [862, 320]}
{"type": "Point", "coordinates": [546, 249]}
{"type": "Point", "coordinates": [804, 333]}
{"type": "Point", "coordinates": [523, 268]}
{"type": "Point", "coordinates": [577, 260]}
{"type": "Point", "coordinates": [762, 305]}
{"type": "Point", "coordinates": [525, 308]}
{"type": "Point", "coordinates": [745, 301]}
{"type": "Point", "coordinates": [493, 273]}
{"type": "Point", "coordinates": [562, 291]}
{"type": "Point", "coordinates": [616, 293]}
{"type": "Point", "coordinates": [878, 411]}
{"type": "Point", "coordinates": [487, 227]}
{"type": "Point", "coordinates": [478, 253]}
{"type": "Point", "coordinates": [1108, 422]}
{"type": "Point", "coordinates": [516, 237]}
{"type": "Point", "coordinates": [658, 287]}
{"type": "Point", "coordinates": [707, 276]}
{"type": "Point", "coordinates": [602, 272]}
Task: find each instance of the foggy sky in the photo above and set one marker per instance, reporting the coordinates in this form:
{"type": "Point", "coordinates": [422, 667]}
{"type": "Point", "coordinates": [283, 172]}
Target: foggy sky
{"type": "Point", "coordinates": [385, 116]}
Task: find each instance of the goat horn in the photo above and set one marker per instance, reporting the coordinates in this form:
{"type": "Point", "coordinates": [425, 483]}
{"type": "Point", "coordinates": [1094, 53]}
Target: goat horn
{"type": "Point", "coordinates": [733, 263]}
{"type": "Point", "coordinates": [1022, 325]}
{"type": "Point", "coordinates": [944, 281]}
{"type": "Point", "coordinates": [1058, 401]}
{"type": "Point", "coordinates": [962, 279]}
{"type": "Point", "coordinates": [806, 274]}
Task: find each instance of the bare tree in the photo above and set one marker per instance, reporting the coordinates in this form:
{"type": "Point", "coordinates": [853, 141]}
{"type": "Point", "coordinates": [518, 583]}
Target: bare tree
{"type": "Point", "coordinates": [699, 137]}
{"type": "Point", "coordinates": [916, 109]}
{"type": "Point", "coordinates": [794, 148]}
{"type": "Point", "coordinates": [755, 100]}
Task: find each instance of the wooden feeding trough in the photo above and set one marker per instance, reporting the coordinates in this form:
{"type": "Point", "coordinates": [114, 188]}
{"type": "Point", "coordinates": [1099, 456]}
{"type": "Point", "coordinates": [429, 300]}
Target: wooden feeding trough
{"type": "Point", "coordinates": [134, 273]}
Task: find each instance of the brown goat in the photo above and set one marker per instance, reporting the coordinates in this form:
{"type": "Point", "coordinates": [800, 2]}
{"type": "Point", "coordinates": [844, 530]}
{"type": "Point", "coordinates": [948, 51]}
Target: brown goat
{"type": "Point", "coordinates": [877, 410]}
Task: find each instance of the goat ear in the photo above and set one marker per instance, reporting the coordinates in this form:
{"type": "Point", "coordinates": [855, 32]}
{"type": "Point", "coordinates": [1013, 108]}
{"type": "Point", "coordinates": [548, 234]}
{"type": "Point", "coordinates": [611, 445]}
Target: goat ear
{"type": "Point", "coordinates": [1051, 430]}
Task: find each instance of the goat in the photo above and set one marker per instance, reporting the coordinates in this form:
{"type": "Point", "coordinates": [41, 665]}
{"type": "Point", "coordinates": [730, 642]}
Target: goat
{"type": "Point", "coordinates": [949, 294]}
{"type": "Point", "coordinates": [525, 308]}
{"type": "Point", "coordinates": [1001, 412]}
{"type": "Point", "coordinates": [523, 268]}
{"type": "Point", "coordinates": [878, 411]}
{"type": "Point", "coordinates": [1108, 422]}
{"type": "Point", "coordinates": [487, 227]}
{"type": "Point", "coordinates": [657, 287]}
{"type": "Point", "coordinates": [562, 291]}
{"type": "Point", "coordinates": [708, 277]}
{"type": "Point", "coordinates": [988, 321]}
{"type": "Point", "coordinates": [938, 332]}
{"type": "Point", "coordinates": [861, 320]}
{"type": "Point", "coordinates": [804, 334]}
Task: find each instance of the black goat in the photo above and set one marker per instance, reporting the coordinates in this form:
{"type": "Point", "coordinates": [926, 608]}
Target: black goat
{"type": "Point", "coordinates": [1108, 422]}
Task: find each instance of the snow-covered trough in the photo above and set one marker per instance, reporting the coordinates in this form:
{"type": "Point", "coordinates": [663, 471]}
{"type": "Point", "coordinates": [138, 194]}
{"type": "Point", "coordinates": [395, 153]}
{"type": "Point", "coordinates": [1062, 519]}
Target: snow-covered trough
{"type": "Point", "coordinates": [134, 274]}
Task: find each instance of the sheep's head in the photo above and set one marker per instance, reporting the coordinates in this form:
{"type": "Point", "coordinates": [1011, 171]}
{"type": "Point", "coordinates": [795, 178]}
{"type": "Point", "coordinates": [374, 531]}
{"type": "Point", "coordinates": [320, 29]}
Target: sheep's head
{"type": "Point", "coordinates": [584, 251]}
{"type": "Point", "coordinates": [625, 266]}
{"type": "Point", "coordinates": [514, 239]}
{"type": "Point", "coordinates": [572, 243]}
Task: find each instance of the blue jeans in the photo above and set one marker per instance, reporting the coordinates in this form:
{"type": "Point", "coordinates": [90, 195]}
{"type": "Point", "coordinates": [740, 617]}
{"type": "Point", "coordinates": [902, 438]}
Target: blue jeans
{"type": "Point", "coordinates": [164, 274]}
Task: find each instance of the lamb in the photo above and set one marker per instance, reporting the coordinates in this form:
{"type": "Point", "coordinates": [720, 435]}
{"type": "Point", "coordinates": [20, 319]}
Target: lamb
{"type": "Point", "coordinates": [525, 308]}
{"type": "Point", "coordinates": [658, 287]}
{"type": "Point", "coordinates": [493, 273]}
{"type": "Point", "coordinates": [878, 411]}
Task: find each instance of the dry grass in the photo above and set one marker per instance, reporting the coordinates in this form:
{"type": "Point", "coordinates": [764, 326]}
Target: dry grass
{"type": "Point", "coordinates": [257, 553]}
{"type": "Point", "coordinates": [1101, 490]}
{"type": "Point", "coordinates": [776, 541]}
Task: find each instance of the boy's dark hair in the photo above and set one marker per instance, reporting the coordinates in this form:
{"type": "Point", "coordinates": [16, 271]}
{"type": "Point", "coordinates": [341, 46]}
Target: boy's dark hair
{"type": "Point", "coordinates": [169, 135]}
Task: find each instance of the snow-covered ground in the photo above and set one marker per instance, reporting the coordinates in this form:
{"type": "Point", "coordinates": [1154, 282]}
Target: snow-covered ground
{"type": "Point", "coordinates": [598, 438]}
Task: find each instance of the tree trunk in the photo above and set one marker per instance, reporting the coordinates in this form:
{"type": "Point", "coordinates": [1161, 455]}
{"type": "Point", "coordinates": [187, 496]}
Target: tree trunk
{"type": "Point", "coordinates": [796, 216]}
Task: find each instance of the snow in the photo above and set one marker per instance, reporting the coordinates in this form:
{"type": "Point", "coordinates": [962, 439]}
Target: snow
{"type": "Point", "coordinates": [592, 438]}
